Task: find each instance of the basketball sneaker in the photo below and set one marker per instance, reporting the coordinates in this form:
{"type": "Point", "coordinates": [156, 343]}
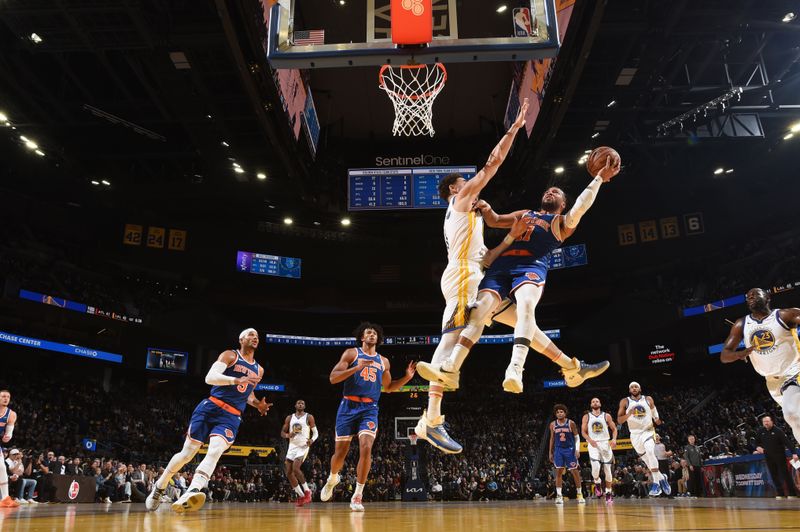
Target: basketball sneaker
{"type": "Point", "coordinates": [191, 501]}
{"type": "Point", "coordinates": [299, 501]}
{"type": "Point", "coordinates": [435, 433]}
{"type": "Point", "coordinates": [513, 380]}
{"type": "Point", "coordinates": [655, 490]}
{"type": "Point", "coordinates": [559, 499]}
{"type": "Point", "coordinates": [580, 498]}
{"type": "Point", "coordinates": [598, 491]}
{"type": "Point", "coordinates": [582, 371]}
{"type": "Point", "coordinates": [8, 502]}
{"type": "Point", "coordinates": [429, 372]}
{"type": "Point", "coordinates": [307, 497]}
{"type": "Point", "coordinates": [355, 504]}
{"type": "Point", "coordinates": [327, 490]}
{"type": "Point", "coordinates": [609, 498]}
{"type": "Point", "coordinates": [665, 487]}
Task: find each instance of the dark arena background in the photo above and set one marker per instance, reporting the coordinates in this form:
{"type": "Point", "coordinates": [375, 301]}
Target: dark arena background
{"type": "Point", "coordinates": [174, 172]}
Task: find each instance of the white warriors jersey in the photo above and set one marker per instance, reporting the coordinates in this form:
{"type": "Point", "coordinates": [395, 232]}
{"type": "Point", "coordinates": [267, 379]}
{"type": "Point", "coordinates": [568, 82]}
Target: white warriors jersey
{"type": "Point", "coordinates": [641, 418]}
{"type": "Point", "coordinates": [463, 235]}
{"type": "Point", "coordinates": [597, 427]}
{"type": "Point", "coordinates": [777, 349]}
{"type": "Point", "coordinates": [300, 431]}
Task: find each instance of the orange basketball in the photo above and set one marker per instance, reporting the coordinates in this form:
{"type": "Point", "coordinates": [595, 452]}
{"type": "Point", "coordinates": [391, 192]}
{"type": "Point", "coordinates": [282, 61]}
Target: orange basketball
{"type": "Point", "coordinates": [597, 159]}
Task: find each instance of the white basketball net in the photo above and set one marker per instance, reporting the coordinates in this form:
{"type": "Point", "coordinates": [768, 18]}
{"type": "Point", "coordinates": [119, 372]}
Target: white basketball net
{"type": "Point", "coordinates": [412, 89]}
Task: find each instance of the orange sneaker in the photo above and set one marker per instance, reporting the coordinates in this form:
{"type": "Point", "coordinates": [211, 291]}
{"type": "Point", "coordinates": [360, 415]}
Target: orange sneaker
{"type": "Point", "coordinates": [8, 502]}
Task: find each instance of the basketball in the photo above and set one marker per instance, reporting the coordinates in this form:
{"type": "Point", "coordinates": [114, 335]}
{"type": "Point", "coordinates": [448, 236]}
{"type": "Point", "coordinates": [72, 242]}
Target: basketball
{"type": "Point", "coordinates": [597, 159]}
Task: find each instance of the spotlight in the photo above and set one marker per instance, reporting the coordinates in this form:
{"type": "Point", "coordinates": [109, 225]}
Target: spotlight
{"type": "Point", "coordinates": [35, 39]}
{"type": "Point", "coordinates": [238, 170]}
{"type": "Point", "coordinates": [788, 17]}
{"type": "Point", "coordinates": [502, 8]}
{"type": "Point", "coordinates": [40, 153]}
{"type": "Point", "coordinates": [95, 183]}
{"type": "Point", "coordinates": [788, 136]}
{"type": "Point", "coordinates": [3, 117]}
{"type": "Point", "coordinates": [288, 221]}
{"type": "Point", "coordinates": [342, 2]}
{"type": "Point", "coordinates": [718, 171]}
{"type": "Point", "coordinates": [612, 103]}
{"type": "Point", "coordinates": [261, 175]}
{"type": "Point", "coordinates": [345, 221]}
{"type": "Point", "coordinates": [106, 182]}
{"type": "Point", "coordinates": [32, 145]}
{"type": "Point", "coordinates": [595, 135]}
{"type": "Point", "coordinates": [729, 171]}
{"type": "Point", "coordinates": [795, 128]}
{"type": "Point", "coordinates": [559, 170]}
{"type": "Point", "coordinates": [225, 144]}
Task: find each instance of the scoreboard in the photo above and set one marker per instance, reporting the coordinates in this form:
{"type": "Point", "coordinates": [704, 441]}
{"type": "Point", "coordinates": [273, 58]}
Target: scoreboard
{"type": "Point", "coordinates": [262, 264]}
{"type": "Point", "coordinates": [399, 188]}
{"type": "Point", "coordinates": [568, 257]}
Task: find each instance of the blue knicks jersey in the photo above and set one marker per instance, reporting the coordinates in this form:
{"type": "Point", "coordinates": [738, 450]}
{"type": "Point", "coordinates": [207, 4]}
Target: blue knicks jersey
{"type": "Point", "coordinates": [236, 394]}
{"type": "Point", "coordinates": [536, 243]}
{"type": "Point", "coordinates": [565, 439]}
{"type": "Point", "coordinates": [4, 421]}
{"type": "Point", "coordinates": [367, 382]}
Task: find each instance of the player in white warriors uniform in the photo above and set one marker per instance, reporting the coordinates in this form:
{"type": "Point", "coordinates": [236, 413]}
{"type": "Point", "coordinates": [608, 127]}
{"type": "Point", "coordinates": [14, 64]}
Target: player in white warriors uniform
{"type": "Point", "coordinates": [639, 411]}
{"type": "Point", "coordinates": [595, 428]}
{"type": "Point", "coordinates": [301, 431]}
{"type": "Point", "coordinates": [467, 256]}
{"type": "Point", "coordinates": [772, 346]}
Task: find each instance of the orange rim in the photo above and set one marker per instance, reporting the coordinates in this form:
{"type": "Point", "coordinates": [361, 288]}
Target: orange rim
{"type": "Point", "coordinates": [437, 88]}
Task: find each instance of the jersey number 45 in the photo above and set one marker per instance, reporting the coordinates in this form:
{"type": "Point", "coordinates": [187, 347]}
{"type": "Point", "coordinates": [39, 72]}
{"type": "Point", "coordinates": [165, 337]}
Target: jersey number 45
{"type": "Point", "coordinates": [369, 374]}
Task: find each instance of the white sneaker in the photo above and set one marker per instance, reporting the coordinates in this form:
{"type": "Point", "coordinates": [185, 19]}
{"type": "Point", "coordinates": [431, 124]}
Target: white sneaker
{"type": "Point", "coordinates": [559, 499]}
{"type": "Point", "coordinates": [513, 381]}
{"type": "Point", "coordinates": [191, 501]}
{"type": "Point", "coordinates": [327, 490]}
{"type": "Point", "coordinates": [31, 501]}
{"type": "Point", "coordinates": [580, 498]}
{"type": "Point", "coordinates": [429, 372]}
{"type": "Point", "coordinates": [154, 499]}
{"type": "Point", "coordinates": [355, 504]}
{"type": "Point", "coordinates": [21, 501]}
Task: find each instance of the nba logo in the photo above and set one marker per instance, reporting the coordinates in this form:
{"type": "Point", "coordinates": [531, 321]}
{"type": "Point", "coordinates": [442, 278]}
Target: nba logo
{"type": "Point", "coordinates": [74, 489]}
{"type": "Point", "coordinates": [522, 22]}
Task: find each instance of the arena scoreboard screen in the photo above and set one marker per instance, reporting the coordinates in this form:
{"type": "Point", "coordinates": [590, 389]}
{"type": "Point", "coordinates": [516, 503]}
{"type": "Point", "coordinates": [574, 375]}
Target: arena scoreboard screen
{"type": "Point", "coordinates": [159, 359]}
{"type": "Point", "coordinates": [261, 264]}
{"type": "Point", "coordinates": [399, 188]}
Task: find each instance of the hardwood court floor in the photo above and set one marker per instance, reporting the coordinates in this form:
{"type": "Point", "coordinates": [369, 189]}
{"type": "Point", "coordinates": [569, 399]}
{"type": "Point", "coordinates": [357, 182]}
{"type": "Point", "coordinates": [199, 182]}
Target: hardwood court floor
{"type": "Point", "coordinates": [634, 515]}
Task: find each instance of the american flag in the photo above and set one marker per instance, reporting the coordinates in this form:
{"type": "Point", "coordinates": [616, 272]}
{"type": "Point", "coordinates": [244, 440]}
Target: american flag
{"type": "Point", "coordinates": [304, 37]}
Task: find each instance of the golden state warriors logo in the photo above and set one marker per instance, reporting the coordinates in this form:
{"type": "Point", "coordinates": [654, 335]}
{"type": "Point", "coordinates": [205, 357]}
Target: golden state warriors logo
{"type": "Point", "coordinates": [639, 412]}
{"type": "Point", "coordinates": [763, 341]}
{"type": "Point", "coordinates": [597, 427]}
{"type": "Point", "coordinates": [297, 428]}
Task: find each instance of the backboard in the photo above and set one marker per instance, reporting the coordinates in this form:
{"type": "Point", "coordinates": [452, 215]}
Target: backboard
{"type": "Point", "coordinates": [348, 33]}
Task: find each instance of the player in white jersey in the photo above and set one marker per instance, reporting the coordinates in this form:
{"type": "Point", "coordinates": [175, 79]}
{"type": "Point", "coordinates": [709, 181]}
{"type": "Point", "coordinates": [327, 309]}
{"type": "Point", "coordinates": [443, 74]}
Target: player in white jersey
{"type": "Point", "coordinates": [466, 258]}
{"type": "Point", "coordinates": [639, 411]}
{"type": "Point", "coordinates": [301, 431]}
{"type": "Point", "coordinates": [772, 346]}
{"type": "Point", "coordinates": [595, 427]}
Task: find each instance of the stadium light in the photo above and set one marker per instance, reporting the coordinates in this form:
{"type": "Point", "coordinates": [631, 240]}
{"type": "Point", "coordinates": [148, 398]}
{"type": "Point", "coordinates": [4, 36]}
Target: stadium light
{"type": "Point", "coordinates": [502, 8]}
{"type": "Point", "coordinates": [35, 39]}
{"type": "Point", "coordinates": [40, 153]}
{"type": "Point", "coordinates": [595, 135]}
{"type": "Point", "coordinates": [106, 182]}
{"type": "Point", "coordinates": [718, 171]}
{"type": "Point", "coordinates": [288, 221]}
{"type": "Point", "coordinates": [224, 143]}
{"type": "Point", "coordinates": [559, 170]}
{"type": "Point", "coordinates": [788, 17]}
{"type": "Point", "coordinates": [612, 103]}
{"type": "Point", "coordinates": [788, 136]}
{"type": "Point", "coordinates": [345, 221]}
{"type": "Point", "coordinates": [3, 117]}
{"type": "Point", "coordinates": [95, 183]}
{"type": "Point", "coordinates": [795, 128]}
{"type": "Point", "coordinates": [238, 169]}
{"type": "Point", "coordinates": [31, 145]}
{"type": "Point", "coordinates": [729, 171]}
{"type": "Point", "coordinates": [261, 175]}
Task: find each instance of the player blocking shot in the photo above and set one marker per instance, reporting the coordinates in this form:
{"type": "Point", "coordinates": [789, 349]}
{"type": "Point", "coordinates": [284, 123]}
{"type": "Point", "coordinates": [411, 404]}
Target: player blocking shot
{"type": "Point", "coordinates": [233, 378]}
{"type": "Point", "coordinates": [8, 419]}
{"type": "Point", "coordinates": [595, 428]}
{"type": "Point", "coordinates": [300, 429]}
{"type": "Point", "coordinates": [364, 372]}
{"type": "Point", "coordinates": [640, 413]}
{"type": "Point", "coordinates": [467, 257]}
{"type": "Point", "coordinates": [771, 345]}
{"type": "Point", "coordinates": [565, 449]}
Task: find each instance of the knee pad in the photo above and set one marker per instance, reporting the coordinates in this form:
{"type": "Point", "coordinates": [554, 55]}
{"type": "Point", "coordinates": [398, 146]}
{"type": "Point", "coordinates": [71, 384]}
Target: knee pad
{"type": "Point", "coordinates": [216, 446]}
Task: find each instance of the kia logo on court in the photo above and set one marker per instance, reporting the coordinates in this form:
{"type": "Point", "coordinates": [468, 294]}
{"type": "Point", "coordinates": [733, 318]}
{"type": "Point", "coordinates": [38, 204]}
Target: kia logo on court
{"type": "Point", "coordinates": [414, 490]}
{"type": "Point", "coordinates": [74, 489]}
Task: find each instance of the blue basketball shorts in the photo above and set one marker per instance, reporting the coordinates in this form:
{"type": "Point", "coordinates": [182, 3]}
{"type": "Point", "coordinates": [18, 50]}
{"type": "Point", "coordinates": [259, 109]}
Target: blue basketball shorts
{"type": "Point", "coordinates": [565, 457]}
{"type": "Point", "coordinates": [503, 279]}
{"type": "Point", "coordinates": [354, 418]}
{"type": "Point", "coordinates": [208, 420]}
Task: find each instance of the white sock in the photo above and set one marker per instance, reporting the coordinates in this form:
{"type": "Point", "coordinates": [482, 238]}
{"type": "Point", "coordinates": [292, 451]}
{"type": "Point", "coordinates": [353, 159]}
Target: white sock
{"type": "Point", "coordinates": [565, 362]}
{"type": "Point", "coordinates": [199, 481]}
{"type": "Point", "coordinates": [558, 491]}
{"type": "Point", "coordinates": [333, 477]}
{"type": "Point", "coordinates": [305, 487]}
{"type": "Point", "coordinates": [434, 402]}
{"type": "Point", "coordinates": [299, 491]}
{"type": "Point", "coordinates": [657, 476]}
{"type": "Point", "coordinates": [608, 490]}
{"type": "Point", "coordinates": [359, 489]}
{"type": "Point", "coordinates": [518, 355]}
{"type": "Point", "coordinates": [457, 358]}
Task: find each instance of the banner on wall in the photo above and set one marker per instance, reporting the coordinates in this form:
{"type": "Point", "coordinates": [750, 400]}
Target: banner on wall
{"type": "Point", "coordinates": [740, 476]}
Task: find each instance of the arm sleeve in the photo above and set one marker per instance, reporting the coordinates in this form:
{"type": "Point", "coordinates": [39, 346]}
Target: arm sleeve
{"type": "Point", "coordinates": [578, 442]}
{"type": "Point", "coordinates": [215, 376]}
{"type": "Point", "coordinates": [655, 414]}
{"type": "Point", "coordinates": [9, 430]}
{"type": "Point", "coordinates": [582, 204]}
{"type": "Point", "coordinates": [314, 433]}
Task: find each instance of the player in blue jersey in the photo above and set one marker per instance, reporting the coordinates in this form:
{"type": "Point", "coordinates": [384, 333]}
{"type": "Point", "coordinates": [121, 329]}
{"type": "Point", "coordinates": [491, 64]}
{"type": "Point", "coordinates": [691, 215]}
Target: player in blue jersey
{"type": "Point", "coordinates": [565, 449]}
{"type": "Point", "coordinates": [233, 378]}
{"type": "Point", "coordinates": [520, 274]}
{"type": "Point", "coordinates": [8, 418]}
{"type": "Point", "coordinates": [364, 371]}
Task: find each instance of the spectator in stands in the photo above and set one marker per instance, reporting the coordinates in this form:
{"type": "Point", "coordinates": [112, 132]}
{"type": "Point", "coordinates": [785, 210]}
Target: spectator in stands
{"type": "Point", "coordinates": [16, 470]}
{"type": "Point", "coordinates": [102, 478]}
{"type": "Point", "coordinates": [773, 443]}
{"type": "Point", "coordinates": [694, 457]}
{"type": "Point", "coordinates": [75, 467]}
{"type": "Point", "coordinates": [683, 478]}
{"type": "Point", "coordinates": [122, 486]}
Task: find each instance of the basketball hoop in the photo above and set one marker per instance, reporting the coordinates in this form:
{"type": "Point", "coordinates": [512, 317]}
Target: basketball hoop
{"type": "Point", "coordinates": [412, 89]}
{"type": "Point", "coordinates": [413, 438]}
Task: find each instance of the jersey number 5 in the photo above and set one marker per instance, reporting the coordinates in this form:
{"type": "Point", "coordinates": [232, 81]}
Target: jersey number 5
{"type": "Point", "coordinates": [369, 374]}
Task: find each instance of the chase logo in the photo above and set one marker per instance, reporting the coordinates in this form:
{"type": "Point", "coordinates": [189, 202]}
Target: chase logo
{"type": "Point", "coordinates": [763, 340]}
{"type": "Point", "coordinates": [597, 427]}
{"type": "Point", "coordinates": [639, 412]}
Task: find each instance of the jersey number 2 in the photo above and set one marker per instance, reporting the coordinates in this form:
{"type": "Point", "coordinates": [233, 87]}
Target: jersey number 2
{"type": "Point", "coordinates": [369, 374]}
{"type": "Point", "coordinates": [563, 437]}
